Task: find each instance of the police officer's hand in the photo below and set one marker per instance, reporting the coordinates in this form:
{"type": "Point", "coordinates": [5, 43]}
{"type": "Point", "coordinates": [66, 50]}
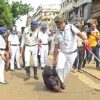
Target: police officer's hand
{"type": "Point", "coordinates": [54, 66]}
{"type": "Point", "coordinates": [85, 42]}
{"type": "Point", "coordinates": [53, 71]}
{"type": "Point", "coordinates": [39, 42]}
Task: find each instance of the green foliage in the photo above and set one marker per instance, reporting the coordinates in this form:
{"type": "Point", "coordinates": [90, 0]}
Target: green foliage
{"type": "Point", "coordinates": [5, 14]}
{"type": "Point", "coordinates": [10, 13]}
{"type": "Point", "coordinates": [19, 9]}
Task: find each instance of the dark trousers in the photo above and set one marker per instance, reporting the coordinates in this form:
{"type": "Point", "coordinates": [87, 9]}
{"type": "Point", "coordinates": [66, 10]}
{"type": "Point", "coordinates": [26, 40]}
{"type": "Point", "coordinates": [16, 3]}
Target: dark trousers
{"type": "Point", "coordinates": [95, 50]}
{"type": "Point", "coordinates": [79, 59]}
{"type": "Point", "coordinates": [39, 61]}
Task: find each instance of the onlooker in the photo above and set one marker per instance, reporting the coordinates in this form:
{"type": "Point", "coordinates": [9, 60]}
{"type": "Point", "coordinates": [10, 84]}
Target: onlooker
{"type": "Point", "coordinates": [81, 53]}
{"type": "Point", "coordinates": [14, 49]}
{"type": "Point", "coordinates": [93, 38]}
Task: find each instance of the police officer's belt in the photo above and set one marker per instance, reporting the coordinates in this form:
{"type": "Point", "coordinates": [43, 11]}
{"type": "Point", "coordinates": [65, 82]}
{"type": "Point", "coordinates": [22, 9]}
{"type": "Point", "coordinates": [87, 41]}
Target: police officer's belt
{"type": "Point", "coordinates": [45, 44]}
{"type": "Point", "coordinates": [71, 52]}
{"type": "Point", "coordinates": [30, 45]}
{"type": "Point", "coordinates": [2, 49]}
{"type": "Point", "coordinates": [14, 44]}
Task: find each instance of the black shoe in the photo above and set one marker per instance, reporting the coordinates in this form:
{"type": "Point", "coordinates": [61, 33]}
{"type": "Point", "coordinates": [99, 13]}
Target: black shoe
{"type": "Point", "coordinates": [36, 77]}
{"type": "Point", "coordinates": [27, 77]}
{"type": "Point", "coordinates": [62, 86]}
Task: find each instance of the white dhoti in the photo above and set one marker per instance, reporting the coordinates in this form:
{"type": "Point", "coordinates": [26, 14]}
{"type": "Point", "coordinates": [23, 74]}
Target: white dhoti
{"type": "Point", "coordinates": [64, 64]}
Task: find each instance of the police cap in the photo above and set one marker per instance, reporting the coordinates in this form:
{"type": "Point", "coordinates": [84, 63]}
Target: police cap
{"type": "Point", "coordinates": [44, 26]}
{"type": "Point", "coordinates": [58, 19]}
{"type": "Point", "coordinates": [34, 23]}
{"type": "Point", "coordinates": [3, 29]}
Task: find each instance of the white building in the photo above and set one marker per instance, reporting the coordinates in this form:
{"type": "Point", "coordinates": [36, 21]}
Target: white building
{"type": "Point", "coordinates": [46, 13]}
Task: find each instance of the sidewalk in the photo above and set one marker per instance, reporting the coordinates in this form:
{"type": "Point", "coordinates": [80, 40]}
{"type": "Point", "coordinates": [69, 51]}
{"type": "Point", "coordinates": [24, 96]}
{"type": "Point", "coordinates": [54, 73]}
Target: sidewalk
{"type": "Point", "coordinates": [91, 69]}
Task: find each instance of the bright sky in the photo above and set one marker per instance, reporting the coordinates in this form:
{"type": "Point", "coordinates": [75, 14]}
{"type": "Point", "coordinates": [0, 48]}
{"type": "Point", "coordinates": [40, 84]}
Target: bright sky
{"type": "Point", "coordinates": [35, 4]}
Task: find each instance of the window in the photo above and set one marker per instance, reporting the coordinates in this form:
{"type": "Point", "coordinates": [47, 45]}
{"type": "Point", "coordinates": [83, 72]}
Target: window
{"type": "Point", "coordinates": [63, 4]}
{"type": "Point", "coordinates": [81, 11]}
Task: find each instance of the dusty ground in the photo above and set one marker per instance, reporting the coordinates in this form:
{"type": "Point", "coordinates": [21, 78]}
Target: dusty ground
{"type": "Point", "coordinates": [17, 89]}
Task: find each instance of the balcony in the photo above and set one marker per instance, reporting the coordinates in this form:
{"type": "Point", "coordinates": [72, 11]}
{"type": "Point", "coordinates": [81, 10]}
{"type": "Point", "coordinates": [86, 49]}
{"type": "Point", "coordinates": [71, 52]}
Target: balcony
{"type": "Point", "coordinates": [81, 2]}
{"type": "Point", "coordinates": [96, 7]}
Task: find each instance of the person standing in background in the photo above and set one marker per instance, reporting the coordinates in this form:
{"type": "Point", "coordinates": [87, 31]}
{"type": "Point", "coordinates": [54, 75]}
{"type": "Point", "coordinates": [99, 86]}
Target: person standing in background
{"type": "Point", "coordinates": [14, 49]}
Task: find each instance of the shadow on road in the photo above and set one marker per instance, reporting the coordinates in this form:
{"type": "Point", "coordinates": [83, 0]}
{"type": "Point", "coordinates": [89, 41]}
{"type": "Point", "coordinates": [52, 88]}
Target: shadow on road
{"type": "Point", "coordinates": [38, 86]}
{"type": "Point", "coordinates": [18, 74]}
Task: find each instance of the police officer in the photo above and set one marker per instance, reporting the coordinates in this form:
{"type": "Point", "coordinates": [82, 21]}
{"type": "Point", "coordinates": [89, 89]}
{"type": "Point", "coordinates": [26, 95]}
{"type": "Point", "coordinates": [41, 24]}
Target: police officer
{"type": "Point", "coordinates": [2, 58]}
{"type": "Point", "coordinates": [30, 40]}
{"type": "Point", "coordinates": [66, 43]}
{"type": "Point", "coordinates": [44, 38]}
{"type": "Point", "coordinates": [13, 45]}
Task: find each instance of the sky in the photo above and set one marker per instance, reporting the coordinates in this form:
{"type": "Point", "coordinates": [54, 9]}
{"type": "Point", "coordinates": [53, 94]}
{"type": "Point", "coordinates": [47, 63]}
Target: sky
{"type": "Point", "coordinates": [35, 4]}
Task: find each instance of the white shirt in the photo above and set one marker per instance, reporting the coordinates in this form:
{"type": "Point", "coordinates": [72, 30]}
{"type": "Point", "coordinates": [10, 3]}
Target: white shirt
{"type": "Point", "coordinates": [95, 30]}
{"type": "Point", "coordinates": [14, 39]}
{"type": "Point", "coordinates": [43, 37]}
{"type": "Point", "coordinates": [29, 37]}
{"type": "Point", "coordinates": [2, 43]}
{"type": "Point", "coordinates": [67, 42]}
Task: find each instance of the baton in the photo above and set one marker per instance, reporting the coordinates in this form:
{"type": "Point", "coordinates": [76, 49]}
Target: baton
{"type": "Point", "coordinates": [93, 54]}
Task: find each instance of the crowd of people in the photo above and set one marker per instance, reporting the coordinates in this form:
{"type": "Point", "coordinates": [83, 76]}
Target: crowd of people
{"type": "Point", "coordinates": [69, 42]}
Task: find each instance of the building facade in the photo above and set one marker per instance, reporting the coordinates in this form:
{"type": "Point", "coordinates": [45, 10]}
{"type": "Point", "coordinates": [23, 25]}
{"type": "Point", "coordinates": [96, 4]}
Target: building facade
{"type": "Point", "coordinates": [78, 11]}
{"type": "Point", "coordinates": [96, 11]}
{"type": "Point", "coordinates": [47, 13]}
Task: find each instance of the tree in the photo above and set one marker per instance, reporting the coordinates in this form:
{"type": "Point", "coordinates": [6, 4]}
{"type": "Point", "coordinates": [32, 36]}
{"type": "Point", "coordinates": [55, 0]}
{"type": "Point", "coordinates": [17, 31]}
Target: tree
{"type": "Point", "coordinates": [5, 14]}
{"type": "Point", "coordinates": [19, 9]}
